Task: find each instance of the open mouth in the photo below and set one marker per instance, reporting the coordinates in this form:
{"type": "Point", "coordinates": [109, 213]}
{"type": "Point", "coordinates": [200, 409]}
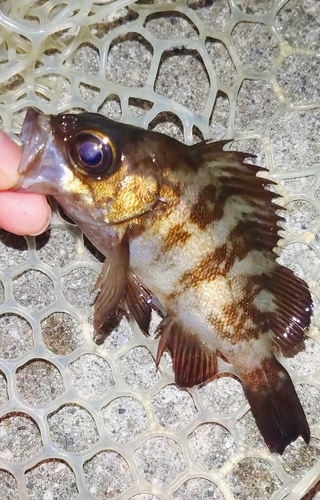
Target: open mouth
{"type": "Point", "coordinates": [41, 167]}
{"type": "Point", "coordinates": [35, 130]}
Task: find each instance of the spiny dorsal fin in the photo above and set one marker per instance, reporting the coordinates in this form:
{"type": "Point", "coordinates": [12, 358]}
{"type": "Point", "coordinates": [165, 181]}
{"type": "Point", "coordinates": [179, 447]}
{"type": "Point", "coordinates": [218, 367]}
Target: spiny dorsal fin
{"type": "Point", "coordinates": [193, 362]}
{"type": "Point", "coordinates": [234, 179]}
{"type": "Point", "coordinates": [257, 230]}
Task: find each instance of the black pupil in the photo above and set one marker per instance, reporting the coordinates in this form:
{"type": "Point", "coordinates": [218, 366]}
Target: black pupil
{"type": "Point", "coordinates": [90, 153]}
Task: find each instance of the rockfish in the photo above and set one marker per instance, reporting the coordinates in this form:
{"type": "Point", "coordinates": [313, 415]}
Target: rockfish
{"type": "Point", "coordinates": [194, 228]}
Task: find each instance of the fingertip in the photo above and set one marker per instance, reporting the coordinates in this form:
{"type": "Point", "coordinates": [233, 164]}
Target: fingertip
{"type": "Point", "coordinates": [24, 213]}
{"type": "Point", "coordinates": [10, 159]}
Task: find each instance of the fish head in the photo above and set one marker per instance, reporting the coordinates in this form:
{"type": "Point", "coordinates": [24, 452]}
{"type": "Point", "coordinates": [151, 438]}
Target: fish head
{"type": "Point", "coordinates": [98, 170]}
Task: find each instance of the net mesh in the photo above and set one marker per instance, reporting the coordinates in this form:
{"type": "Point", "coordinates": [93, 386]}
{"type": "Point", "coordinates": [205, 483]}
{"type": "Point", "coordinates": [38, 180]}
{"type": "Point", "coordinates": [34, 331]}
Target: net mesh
{"type": "Point", "coordinates": [92, 419]}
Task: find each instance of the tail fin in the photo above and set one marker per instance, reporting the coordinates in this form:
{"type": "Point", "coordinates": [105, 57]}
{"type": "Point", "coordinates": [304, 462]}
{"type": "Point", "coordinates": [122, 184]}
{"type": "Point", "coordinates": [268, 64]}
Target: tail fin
{"type": "Point", "coordinates": [276, 407]}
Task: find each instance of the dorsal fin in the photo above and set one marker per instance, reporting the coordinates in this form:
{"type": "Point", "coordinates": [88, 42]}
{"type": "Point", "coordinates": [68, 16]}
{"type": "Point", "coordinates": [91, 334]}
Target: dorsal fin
{"type": "Point", "coordinates": [234, 179]}
{"type": "Point", "coordinates": [193, 362]}
{"type": "Point", "coordinates": [236, 185]}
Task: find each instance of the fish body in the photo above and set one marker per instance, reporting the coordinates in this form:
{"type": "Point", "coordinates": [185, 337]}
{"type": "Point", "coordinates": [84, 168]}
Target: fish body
{"type": "Point", "coordinates": [193, 227]}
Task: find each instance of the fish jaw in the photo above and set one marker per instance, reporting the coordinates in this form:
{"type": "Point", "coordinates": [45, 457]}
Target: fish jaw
{"type": "Point", "coordinates": [42, 168]}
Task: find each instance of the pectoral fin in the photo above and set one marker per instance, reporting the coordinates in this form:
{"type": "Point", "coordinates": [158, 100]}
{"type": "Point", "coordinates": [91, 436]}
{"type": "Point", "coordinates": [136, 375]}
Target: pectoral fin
{"type": "Point", "coordinates": [112, 281]}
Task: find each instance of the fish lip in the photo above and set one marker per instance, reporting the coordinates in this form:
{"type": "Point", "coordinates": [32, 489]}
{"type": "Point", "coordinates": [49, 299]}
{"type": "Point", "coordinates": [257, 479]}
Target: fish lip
{"type": "Point", "coordinates": [34, 133]}
{"type": "Point", "coordinates": [39, 157]}
{"type": "Point", "coordinates": [28, 124]}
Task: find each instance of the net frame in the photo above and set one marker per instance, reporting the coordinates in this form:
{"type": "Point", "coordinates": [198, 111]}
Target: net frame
{"type": "Point", "coordinates": [254, 68]}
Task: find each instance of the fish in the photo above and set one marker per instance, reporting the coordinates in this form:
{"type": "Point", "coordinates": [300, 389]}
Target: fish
{"type": "Point", "coordinates": [192, 229]}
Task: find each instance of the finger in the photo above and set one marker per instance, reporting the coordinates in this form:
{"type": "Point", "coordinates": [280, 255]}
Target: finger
{"type": "Point", "coordinates": [9, 163]}
{"type": "Point", "coordinates": [20, 213]}
{"type": "Point", "coordinates": [24, 213]}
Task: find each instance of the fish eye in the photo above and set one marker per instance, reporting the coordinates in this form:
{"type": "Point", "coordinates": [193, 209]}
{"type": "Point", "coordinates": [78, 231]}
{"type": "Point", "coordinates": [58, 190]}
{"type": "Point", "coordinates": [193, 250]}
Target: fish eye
{"type": "Point", "coordinates": [92, 154]}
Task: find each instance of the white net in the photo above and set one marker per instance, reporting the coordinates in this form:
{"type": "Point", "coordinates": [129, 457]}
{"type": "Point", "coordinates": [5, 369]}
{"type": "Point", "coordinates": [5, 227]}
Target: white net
{"type": "Point", "coordinates": [88, 420]}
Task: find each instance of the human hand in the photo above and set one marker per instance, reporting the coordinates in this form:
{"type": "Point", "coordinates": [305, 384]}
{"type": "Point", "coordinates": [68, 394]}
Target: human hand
{"type": "Point", "coordinates": [20, 213]}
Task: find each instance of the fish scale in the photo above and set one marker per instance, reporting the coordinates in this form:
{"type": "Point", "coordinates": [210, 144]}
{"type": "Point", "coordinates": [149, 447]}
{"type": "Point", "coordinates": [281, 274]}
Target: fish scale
{"type": "Point", "coordinates": [194, 227]}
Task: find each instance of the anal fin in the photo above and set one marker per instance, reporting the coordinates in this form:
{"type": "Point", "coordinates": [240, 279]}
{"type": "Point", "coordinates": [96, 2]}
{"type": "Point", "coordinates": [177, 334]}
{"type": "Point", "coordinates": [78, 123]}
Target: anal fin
{"type": "Point", "coordinates": [193, 362]}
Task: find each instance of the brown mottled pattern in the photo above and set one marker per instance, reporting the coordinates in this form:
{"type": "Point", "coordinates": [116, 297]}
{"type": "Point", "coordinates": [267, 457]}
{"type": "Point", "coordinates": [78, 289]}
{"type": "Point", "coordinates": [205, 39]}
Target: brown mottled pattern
{"type": "Point", "coordinates": [202, 229]}
{"type": "Point", "coordinates": [235, 317]}
{"type": "Point", "coordinates": [156, 219]}
{"type": "Point", "coordinates": [104, 191]}
{"type": "Point", "coordinates": [246, 321]}
{"type": "Point", "coordinates": [255, 234]}
{"type": "Point", "coordinates": [214, 264]}
{"type": "Point", "coordinates": [268, 370]}
{"type": "Point", "coordinates": [203, 212]}
{"type": "Point", "coordinates": [135, 197]}
{"type": "Point", "coordinates": [177, 236]}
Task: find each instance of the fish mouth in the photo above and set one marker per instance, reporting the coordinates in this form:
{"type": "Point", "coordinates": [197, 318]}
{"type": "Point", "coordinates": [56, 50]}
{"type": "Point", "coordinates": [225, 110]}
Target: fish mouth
{"type": "Point", "coordinates": [42, 166]}
{"type": "Point", "coordinates": [35, 130]}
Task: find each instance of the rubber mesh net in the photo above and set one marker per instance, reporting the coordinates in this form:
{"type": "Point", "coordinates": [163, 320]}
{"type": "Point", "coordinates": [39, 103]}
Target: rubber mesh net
{"type": "Point", "coordinates": [94, 419]}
